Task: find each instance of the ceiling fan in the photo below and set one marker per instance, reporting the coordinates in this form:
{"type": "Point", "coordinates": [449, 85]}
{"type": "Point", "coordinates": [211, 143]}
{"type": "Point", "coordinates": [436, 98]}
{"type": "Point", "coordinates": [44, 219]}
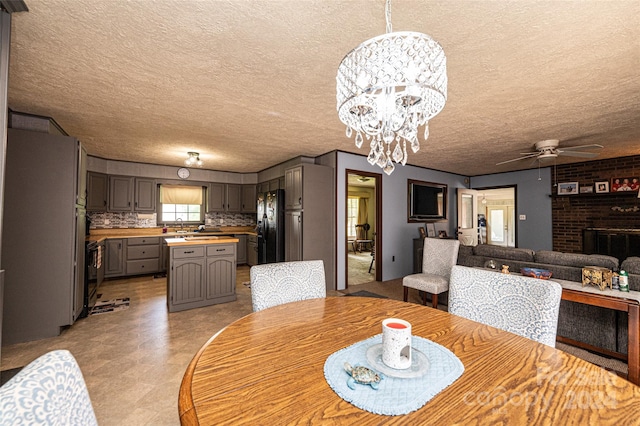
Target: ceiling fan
{"type": "Point", "coordinates": [549, 149]}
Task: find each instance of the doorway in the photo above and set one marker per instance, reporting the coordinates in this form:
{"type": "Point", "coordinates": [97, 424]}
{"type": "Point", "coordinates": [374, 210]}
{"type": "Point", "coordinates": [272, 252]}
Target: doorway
{"type": "Point", "coordinates": [497, 216]}
{"type": "Point", "coordinates": [487, 216]}
{"type": "Point", "coordinates": [363, 223]}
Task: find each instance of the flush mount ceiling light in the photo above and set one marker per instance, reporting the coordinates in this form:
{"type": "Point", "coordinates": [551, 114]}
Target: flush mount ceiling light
{"type": "Point", "coordinates": [193, 159]}
{"type": "Point", "coordinates": [387, 88]}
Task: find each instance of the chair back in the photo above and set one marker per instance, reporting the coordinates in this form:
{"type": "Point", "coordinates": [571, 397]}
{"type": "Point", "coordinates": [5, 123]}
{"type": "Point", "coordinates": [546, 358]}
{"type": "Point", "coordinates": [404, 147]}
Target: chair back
{"type": "Point", "coordinates": [50, 390]}
{"type": "Point", "coordinates": [521, 305]}
{"type": "Point", "coordinates": [273, 284]}
{"type": "Point", "coordinates": [439, 255]}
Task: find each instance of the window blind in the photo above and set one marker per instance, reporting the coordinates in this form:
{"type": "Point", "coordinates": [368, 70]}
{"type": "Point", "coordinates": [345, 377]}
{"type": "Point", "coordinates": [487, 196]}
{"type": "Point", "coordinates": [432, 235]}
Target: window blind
{"type": "Point", "coordinates": [179, 194]}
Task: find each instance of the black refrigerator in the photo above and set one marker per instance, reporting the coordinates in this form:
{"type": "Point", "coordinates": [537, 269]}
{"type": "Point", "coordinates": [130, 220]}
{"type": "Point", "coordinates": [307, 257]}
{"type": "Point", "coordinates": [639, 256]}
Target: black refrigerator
{"type": "Point", "coordinates": [271, 226]}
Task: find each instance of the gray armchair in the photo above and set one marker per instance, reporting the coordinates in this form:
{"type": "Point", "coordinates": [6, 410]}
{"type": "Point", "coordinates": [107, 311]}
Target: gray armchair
{"type": "Point", "coordinates": [438, 257]}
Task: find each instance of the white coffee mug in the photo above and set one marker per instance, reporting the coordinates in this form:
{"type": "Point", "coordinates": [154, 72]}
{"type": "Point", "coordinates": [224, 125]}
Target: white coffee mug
{"type": "Point", "coordinates": [396, 343]}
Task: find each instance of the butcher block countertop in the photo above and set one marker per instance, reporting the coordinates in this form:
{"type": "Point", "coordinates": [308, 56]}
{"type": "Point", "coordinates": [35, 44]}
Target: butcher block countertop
{"type": "Point", "coordinates": [192, 241]}
{"type": "Point", "coordinates": [102, 234]}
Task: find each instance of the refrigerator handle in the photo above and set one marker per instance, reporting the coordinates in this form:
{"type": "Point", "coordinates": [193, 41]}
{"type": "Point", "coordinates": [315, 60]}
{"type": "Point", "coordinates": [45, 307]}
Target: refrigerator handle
{"type": "Point", "coordinates": [265, 232]}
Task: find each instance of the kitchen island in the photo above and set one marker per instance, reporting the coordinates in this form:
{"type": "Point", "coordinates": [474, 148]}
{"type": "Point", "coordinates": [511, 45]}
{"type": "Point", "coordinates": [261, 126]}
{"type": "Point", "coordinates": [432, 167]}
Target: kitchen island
{"type": "Point", "coordinates": [201, 271]}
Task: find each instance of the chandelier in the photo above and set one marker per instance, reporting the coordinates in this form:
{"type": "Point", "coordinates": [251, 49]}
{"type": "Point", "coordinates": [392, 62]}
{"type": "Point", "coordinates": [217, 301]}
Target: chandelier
{"type": "Point", "coordinates": [387, 88]}
{"type": "Point", "coordinates": [193, 159]}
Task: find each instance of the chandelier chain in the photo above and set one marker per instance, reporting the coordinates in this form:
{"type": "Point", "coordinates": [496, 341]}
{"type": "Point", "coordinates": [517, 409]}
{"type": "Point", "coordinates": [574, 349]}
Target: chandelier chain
{"type": "Point", "coordinates": [387, 15]}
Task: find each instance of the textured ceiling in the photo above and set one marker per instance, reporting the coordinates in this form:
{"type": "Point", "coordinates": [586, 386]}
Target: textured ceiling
{"type": "Point", "coordinates": [250, 83]}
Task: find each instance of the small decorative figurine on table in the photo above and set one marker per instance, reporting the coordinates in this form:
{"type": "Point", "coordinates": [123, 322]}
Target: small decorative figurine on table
{"type": "Point", "coordinates": [505, 269]}
{"type": "Point", "coordinates": [362, 375]}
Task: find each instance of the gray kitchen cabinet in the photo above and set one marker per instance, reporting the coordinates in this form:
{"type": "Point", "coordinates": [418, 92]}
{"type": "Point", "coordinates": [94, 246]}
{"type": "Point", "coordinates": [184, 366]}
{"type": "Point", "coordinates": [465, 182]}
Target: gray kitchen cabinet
{"type": "Point", "coordinates": [274, 184]}
{"type": "Point", "coordinates": [201, 275]}
{"type": "Point", "coordinates": [186, 279]}
{"type": "Point", "coordinates": [114, 258]}
{"type": "Point", "coordinates": [223, 197]}
{"type": "Point", "coordinates": [221, 273]}
{"type": "Point", "coordinates": [143, 255]}
{"type": "Point", "coordinates": [145, 195]}
{"type": "Point", "coordinates": [234, 198]}
{"type": "Point", "coordinates": [216, 197]}
{"type": "Point", "coordinates": [293, 233]}
{"type": "Point", "coordinates": [120, 193]}
{"type": "Point", "coordinates": [293, 192]}
{"type": "Point", "coordinates": [43, 234]}
{"type": "Point", "coordinates": [242, 249]}
{"type": "Point", "coordinates": [252, 250]}
{"type": "Point", "coordinates": [97, 191]}
{"type": "Point", "coordinates": [309, 213]}
{"type": "Point", "coordinates": [127, 194]}
{"type": "Point", "coordinates": [249, 199]}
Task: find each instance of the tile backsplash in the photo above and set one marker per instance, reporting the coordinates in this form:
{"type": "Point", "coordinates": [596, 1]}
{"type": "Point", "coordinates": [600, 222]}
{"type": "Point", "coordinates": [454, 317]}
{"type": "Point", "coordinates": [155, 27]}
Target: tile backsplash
{"type": "Point", "coordinates": [103, 220]}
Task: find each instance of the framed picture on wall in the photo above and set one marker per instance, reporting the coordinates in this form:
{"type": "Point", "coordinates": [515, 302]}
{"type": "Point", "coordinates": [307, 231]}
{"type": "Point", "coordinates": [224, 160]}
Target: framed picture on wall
{"type": "Point", "coordinates": [586, 189]}
{"type": "Point", "coordinates": [431, 230]}
{"type": "Point", "coordinates": [625, 184]}
{"type": "Point", "coordinates": [423, 233]}
{"type": "Point", "coordinates": [602, 187]}
{"type": "Point", "coordinates": [567, 188]}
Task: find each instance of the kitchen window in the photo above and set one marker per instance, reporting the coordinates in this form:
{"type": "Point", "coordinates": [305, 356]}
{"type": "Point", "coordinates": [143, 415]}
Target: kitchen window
{"type": "Point", "coordinates": [181, 203]}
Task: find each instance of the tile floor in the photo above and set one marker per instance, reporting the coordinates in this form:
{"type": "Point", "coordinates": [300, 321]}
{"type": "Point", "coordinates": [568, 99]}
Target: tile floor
{"type": "Point", "coordinates": [133, 360]}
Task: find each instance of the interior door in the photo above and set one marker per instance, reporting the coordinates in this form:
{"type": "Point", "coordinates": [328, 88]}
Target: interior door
{"type": "Point", "coordinates": [467, 216]}
{"type": "Point", "coordinates": [497, 226]}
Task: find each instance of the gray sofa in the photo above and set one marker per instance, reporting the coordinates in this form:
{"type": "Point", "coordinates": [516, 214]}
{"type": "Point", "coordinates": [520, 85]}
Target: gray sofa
{"type": "Point", "coordinates": [600, 327]}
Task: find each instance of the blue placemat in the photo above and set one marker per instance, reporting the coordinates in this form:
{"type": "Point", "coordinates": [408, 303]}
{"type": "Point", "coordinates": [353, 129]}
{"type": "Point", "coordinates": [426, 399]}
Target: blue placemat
{"type": "Point", "coordinates": [395, 396]}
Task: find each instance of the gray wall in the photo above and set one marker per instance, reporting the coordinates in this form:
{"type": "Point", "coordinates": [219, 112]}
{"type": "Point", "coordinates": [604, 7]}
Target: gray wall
{"type": "Point", "coordinates": [532, 199]}
{"type": "Point", "coordinates": [397, 233]}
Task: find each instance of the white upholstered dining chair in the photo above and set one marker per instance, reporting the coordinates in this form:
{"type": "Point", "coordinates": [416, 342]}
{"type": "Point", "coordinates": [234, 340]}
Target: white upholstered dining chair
{"type": "Point", "coordinates": [273, 284]}
{"type": "Point", "coordinates": [438, 257]}
{"type": "Point", "coordinates": [49, 391]}
{"type": "Point", "coordinates": [522, 305]}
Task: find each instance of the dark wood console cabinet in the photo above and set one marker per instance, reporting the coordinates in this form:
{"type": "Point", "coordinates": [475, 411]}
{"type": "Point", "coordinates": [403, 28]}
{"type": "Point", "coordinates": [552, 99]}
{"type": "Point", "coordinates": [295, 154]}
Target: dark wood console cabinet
{"type": "Point", "coordinates": [418, 248]}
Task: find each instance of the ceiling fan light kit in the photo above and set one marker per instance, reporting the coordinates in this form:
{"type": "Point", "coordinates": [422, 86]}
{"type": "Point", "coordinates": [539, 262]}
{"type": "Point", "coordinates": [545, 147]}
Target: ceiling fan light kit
{"type": "Point", "coordinates": [388, 88]}
{"type": "Point", "coordinates": [550, 148]}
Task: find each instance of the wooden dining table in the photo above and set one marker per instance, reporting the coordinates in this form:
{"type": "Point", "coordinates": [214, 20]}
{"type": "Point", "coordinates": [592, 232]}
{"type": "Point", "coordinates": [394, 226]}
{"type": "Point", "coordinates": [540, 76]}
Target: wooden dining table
{"type": "Point", "coordinates": [267, 369]}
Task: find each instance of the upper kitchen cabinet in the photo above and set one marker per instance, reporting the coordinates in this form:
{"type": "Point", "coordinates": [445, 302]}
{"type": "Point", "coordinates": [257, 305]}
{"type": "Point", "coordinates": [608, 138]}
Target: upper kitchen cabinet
{"type": "Point", "coordinates": [234, 198]}
{"type": "Point", "coordinates": [216, 197]}
{"type": "Point", "coordinates": [249, 197]}
{"type": "Point", "coordinates": [231, 198]}
{"type": "Point", "coordinates": [293, 188]}
{"type": "Point", "coordinates": [128, 194]}
{"type": "Point", "coordinates": [97, 191]}
{"type": "Point", "coordinates": [145, 195]}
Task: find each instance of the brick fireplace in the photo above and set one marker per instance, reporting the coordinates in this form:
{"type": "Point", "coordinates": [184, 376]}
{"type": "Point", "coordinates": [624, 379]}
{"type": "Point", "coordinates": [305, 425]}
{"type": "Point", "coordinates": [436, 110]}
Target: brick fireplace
{"type": "Point", "coordinates": [572, 214]}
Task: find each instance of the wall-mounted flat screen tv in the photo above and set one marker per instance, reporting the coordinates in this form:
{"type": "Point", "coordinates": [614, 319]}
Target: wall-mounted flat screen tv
{"type": "Point", "coordinates": [426, 201]}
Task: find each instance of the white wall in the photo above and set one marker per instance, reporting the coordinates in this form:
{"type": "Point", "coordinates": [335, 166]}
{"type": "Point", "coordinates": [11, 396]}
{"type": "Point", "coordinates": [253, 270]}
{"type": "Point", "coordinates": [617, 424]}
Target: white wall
{"type": "Point", "coordinates": [397, 234]}
{"type": "Point", "coordinates": [532, 200]}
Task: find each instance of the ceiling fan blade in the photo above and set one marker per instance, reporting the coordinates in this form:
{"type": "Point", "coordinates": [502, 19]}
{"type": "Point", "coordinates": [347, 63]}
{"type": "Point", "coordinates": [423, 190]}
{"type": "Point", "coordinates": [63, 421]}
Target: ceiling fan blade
{"type": "Point", "coordinates": [571, 148]}
{"type": "Point", "coordinates": [518, 159]}
{"type": "Point", "coordinates": [530, 153]}
{"type": "Point", "coordinates": [578, 154]}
